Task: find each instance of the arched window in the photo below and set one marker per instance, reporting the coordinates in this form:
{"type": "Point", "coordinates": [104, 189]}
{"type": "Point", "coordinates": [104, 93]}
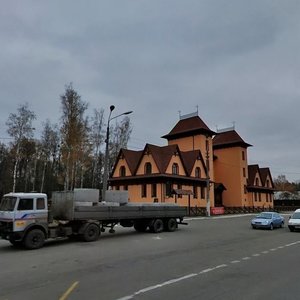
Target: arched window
{"type": "Point", "coordinates": [256, 182]}
{"type": "Point", "coordinates": [175, 169]}
{"type": "Point", "coordinates": [122, 171]}
{"type": "Point", "coordinates": [197, 172]}
{"type": "Point", "coordinates": [148, 168]}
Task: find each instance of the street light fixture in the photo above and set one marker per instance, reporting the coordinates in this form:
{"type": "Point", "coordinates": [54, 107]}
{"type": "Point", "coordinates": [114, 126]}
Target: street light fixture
{"type": "Point", "coordinates": [105, 173]}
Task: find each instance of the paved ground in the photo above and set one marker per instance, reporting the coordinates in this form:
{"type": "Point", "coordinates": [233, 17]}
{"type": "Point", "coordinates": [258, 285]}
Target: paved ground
{"type": "Point", "coordinates": [211, 258]}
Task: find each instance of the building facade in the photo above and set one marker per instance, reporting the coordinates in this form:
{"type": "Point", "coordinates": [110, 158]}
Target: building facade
{"type": "Point", "coordinates": [197, 168]}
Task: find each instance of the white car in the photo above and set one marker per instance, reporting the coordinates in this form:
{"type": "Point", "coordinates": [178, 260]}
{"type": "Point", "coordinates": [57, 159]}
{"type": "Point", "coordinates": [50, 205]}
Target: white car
{"type": "Point", "coordinates": [294, 220]}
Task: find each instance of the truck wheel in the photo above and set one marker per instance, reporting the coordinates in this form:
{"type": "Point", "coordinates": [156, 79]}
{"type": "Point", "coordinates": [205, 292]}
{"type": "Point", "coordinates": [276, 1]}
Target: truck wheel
{"type": "Point", "coordinates": [34, 239]}
{"type": "Point", "coordinates": [157, 226]}
{"type": "Point", "coordinates": [140, 226]}
{"type": "Point", "coordinates": [91, 233]}
{"type": "Point", "coordinates": [170, 225]}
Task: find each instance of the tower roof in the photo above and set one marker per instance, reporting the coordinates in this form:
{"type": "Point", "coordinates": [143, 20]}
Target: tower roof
{"type": "Point", "coordinates": [187, 127]}
{"type": "Point", "coordinates": [229, 139]}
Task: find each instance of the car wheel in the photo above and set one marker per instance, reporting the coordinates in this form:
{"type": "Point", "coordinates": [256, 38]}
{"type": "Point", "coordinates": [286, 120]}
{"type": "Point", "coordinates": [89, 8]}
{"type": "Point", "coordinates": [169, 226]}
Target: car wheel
{"type": "Point", "coordinates": [291, 228]}
{"type": "Point", "coordinates": [253, 227]}
{"type": "Point", "coordinates": [271, 226]}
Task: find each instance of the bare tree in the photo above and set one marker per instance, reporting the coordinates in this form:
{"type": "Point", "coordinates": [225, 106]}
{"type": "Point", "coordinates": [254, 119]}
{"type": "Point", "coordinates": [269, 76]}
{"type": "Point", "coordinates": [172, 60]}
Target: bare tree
{"type": "Point", "coordinates": [19, 128]}
{"type": "Point", "coordinates": [97, 140]}
{"type": "Point", "coordinates": [49, 148]}
{"type": "Point", "coordinates": [120, 138]}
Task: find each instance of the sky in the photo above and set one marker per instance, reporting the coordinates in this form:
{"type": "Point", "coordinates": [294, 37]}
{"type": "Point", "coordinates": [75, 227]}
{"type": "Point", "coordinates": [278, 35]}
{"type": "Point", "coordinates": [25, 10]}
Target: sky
{"type": "Point", "coordinates": [236, 62]}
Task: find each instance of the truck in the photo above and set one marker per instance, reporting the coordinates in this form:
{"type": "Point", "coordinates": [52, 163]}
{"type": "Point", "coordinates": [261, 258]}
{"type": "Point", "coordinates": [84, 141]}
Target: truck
{"type": "Point", "coordinates": [30, 219]}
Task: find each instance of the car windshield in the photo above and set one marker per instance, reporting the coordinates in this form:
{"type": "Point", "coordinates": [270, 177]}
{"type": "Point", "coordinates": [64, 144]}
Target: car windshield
{"type": "Point", "coordinates": [264, 216]}
{"type": "Point", "coordinates": [8, 203]}
{"type": "Point", "coordinates": [296, 215]}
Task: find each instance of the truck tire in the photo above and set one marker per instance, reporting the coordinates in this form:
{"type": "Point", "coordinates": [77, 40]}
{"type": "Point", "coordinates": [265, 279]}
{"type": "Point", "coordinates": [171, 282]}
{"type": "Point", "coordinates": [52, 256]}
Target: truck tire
{"type": "Point", "coordinates": [34, 239]}
{"type": "Point", "coordinates": [91, 233]}
{"type": "Point", "coordinates": [140, 226]}
{"type": "Point", "coordinates": [170, 225]}
{"type": "Point", "coordinates": [157, 226]}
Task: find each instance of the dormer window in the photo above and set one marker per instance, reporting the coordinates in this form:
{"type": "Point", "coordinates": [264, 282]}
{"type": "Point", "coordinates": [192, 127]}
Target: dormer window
{"type": "Point", "coordinates": [175, 169]}
{"type": "Point", "coordinates": [148, 168]}
{"type": "Point", "coordinates": [256, 182]}
{"type": "Point", "coordinates": [122, 171]}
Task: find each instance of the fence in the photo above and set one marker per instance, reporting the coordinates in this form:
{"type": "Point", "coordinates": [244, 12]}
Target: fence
{"type": "Point", "coordinates": [201, 211]}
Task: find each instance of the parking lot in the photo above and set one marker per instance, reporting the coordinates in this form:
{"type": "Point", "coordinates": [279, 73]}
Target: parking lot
{"type": "Point", "coordinates": [211, 258]}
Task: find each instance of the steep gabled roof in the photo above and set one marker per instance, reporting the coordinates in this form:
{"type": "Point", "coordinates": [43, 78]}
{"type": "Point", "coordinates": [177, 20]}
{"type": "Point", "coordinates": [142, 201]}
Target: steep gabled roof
{"type": "Point", "coordinates": [229, 139]}
{"type": "Point", "coordinates": [264, 174]}
{"type": "Point", "coordinates": [161, 155]}
{"type": "Point", "coordinates": [132, 158]}
{"type": "Point", "coordinates": [188, 127]}
{"type": "Point", "coordinates": [189, 158]}
{"type": "Point", "coordinates": [252, 171]}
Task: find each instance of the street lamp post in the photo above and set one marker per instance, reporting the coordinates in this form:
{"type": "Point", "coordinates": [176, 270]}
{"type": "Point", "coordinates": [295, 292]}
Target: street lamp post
{"type": "Point", "coordinates": [105, 172]}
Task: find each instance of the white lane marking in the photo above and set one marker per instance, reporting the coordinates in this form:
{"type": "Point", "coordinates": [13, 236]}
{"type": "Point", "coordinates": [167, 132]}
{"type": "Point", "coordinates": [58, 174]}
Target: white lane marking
{"type": "Point", "coordinates": [273, 249]}
{"type": "Point", "coordinates": [185, 277]}
{"type": "Point", "coordinates": [235, 261]}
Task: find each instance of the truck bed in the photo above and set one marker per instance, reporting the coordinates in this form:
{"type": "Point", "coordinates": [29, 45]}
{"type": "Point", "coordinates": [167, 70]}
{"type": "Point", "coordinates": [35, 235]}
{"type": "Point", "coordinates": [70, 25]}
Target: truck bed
{"type": "Point", "coordinates": [128, 212]}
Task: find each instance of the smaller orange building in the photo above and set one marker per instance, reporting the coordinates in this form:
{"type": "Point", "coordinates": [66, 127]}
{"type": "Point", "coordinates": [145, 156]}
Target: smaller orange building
{"type": "Point", "coordinates": [196, 168]}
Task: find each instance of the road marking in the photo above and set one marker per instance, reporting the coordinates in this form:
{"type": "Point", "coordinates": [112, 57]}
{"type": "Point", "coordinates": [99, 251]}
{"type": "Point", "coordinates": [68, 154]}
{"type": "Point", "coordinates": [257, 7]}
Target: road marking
{"type": "Point", "coordinates": [69, 291]}
{"type": "Point", "coordinates": [235, 261]}
{"type": "Point", "coordinates": [185, 277]}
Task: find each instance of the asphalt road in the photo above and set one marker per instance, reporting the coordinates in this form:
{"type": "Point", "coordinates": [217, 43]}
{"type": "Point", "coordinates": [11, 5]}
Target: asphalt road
{"type": "Point", "coordinates": [215, 258]}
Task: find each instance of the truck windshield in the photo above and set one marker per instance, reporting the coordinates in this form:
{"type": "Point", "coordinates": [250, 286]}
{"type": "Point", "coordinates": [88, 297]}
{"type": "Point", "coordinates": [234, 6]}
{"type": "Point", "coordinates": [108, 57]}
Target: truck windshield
{"type": "Point", "coordinates": [8, 203]}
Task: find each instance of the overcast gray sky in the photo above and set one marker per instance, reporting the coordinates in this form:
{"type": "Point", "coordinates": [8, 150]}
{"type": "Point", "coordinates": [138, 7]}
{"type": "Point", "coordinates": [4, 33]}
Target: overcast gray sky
{"type": "Point", "coordinates": [237, 60]}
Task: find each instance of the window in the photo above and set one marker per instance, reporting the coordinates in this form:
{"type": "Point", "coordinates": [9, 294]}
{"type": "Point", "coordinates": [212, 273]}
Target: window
{"type": "Point", "coordinates": [244, 172]}
{"type": "Point", "coordinates": [202, 192]}
{"type": "Point", "coordinates": [256, 182]}
{"type": "Point", "coordinates": [243, 155]}
{"type": "Point", "coordinates": [125, 187]}
{"type": "Point", "coordinates": [25, 204]}
{"type": "Point", "coordinates": [122, 171]}
{"type": "Point", "coordinates": [259, 197]}
{"type": "Point", "coordinates": [267, 197]}
{"type": "Point", "coordinates": [255, 197]}
{"type": "Point", "coordinates": [175, 169]}
{"type": "Point", "coordinates": [40, 203]}
{"type": "Point", "coordinates": [268, 183]}
{"type": "Point", "coordinates": [169, 189]}
{"type": "Point", "coordinates": [195, 192]}
{"type": "Point", "coordinates": [197, 172]}
{"type": "Point", "coordinates": [179, 186]}
{"type": "Point", "coordinates": [153, 190]}
{"type": "Point", "coordinates": [144, 190]}
{"type": "Point", "coordinates": [148, 168]}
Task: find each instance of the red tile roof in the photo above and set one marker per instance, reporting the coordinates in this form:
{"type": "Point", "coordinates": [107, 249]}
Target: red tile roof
{"type": "Point", "coordinates": [229, 139]}
{"type": "Point", "coordinates": [188, 127]}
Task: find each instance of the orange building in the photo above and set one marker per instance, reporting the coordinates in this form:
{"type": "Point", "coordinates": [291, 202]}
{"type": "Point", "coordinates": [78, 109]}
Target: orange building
{"type": "Point", "coordinates": [198, 168]}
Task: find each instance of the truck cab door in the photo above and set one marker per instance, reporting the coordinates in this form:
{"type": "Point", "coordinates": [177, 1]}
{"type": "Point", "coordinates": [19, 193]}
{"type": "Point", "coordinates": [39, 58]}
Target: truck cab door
{"type": "Point", "coordinates": [24, 214]}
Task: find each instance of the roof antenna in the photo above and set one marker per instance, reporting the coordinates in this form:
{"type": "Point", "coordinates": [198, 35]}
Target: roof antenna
{"type": "Point", "coordinates": [197, 110]}
{"type": "Point", "coordinates": [233, 125]}
{"type": "Point", "coordinates": [179, 112]}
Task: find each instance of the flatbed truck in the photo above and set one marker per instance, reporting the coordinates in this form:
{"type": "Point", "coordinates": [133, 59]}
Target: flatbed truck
{"type": "Point", "coordinates": [29, 219]}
